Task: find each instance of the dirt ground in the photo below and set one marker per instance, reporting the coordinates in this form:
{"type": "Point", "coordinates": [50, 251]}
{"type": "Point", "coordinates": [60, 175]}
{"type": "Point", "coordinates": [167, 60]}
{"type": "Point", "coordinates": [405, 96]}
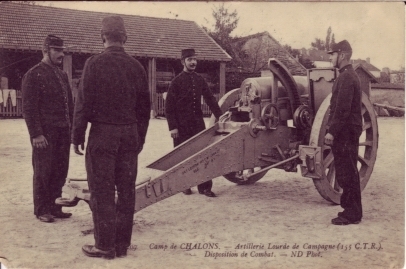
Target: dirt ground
{"type": "Point", "coordinates": [279, 222]}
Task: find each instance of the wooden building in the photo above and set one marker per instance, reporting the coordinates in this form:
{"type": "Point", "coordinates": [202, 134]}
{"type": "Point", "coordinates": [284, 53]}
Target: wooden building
{"type": "Point", "coordinates": [365, 77]}
{"type": "Point", "coordinates": [155, 42]}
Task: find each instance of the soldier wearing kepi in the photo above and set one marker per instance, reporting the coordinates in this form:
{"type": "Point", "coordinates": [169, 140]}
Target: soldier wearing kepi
{"type": "Point", "coordinates": [183, 110]}
{"type": "Point", "coordinates": [345, 128]}
{"type": "Point", "coordinates": [113, 95]}
{"type": "Point", "coordinates": [48, 110]}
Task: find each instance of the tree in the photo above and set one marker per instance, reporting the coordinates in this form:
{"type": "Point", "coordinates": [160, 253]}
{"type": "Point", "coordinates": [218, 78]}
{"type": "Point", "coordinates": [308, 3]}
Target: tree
{"type": "Point", "coordinates": [294, 52]}
{"type": "Point", "coordinates": [225, 23]}
{"type": "Point", "coordinates": [307, 63]}
{"type": "Point", "coordinates": [328, 38]}
{"type": "Point", "coordinates": [255, 57]}
{"type": "Point", "coordinates": [384, 77]}
{"type": "Point", "coordinates": [318, 44]}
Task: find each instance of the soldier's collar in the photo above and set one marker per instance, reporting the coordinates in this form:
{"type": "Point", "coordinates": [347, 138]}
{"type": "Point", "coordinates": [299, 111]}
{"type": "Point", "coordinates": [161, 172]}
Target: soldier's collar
{"type": "Point", "coordinates": [345, 67]}
{"type": "Point", "coordinates": [114, 48]}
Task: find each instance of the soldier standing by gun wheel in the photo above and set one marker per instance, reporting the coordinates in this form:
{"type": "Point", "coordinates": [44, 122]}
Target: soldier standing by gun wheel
{"type": "Point", "coordinates": [183, 109]}
{"type": "Point", "coordinates": [345, 128]}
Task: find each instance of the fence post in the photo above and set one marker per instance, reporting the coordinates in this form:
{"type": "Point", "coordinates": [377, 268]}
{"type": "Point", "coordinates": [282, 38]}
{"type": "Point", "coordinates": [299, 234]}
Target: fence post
{"type": "Point", "coordinates": [222, 81]}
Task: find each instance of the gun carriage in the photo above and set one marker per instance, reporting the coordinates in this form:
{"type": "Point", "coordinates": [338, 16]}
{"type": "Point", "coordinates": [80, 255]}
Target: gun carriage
{"type": "Point", "coordinates": [269, 122]}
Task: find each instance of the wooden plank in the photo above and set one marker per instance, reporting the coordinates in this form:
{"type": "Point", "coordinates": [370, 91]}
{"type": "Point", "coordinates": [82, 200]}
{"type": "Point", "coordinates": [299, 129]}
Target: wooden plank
{"type": "Point", "coordinates": [67, 67]}
{"type": "Point", "coordinates": [153, 88]}
{"type": "Point", "coordinates": [161, 104]}
{"type": "Point", "coordinates": [152, 85]}
{"type": "Point", "coordinates": [222, 81]}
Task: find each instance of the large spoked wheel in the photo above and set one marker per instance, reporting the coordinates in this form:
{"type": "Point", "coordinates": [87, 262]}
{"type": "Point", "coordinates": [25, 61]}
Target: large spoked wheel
{"type": "Point", "coordinates": [238, 177]}
{"type": "Point", "coordinates": [327, 186]}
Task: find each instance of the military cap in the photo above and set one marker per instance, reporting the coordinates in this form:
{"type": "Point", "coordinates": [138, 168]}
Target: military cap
{"type": "Point", "coordinates": [340, 46]}
{"type": "Point", "coordinates": [188, 53]}
{"type": "Point", "coordinates": [113, 24]}
{"type": "Point", "coordinates": [52, 41]}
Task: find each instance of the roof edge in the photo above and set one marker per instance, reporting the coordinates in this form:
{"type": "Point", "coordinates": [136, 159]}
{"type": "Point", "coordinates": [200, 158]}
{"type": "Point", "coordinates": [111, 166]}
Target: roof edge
{"type": "Point", "coordinates": [225, 52]}
{"type": "Point", "coordinates": [277, 42]}
{"type": "Point", "coordinates": [94, 51]}
{"type": "Point", "coordinates": [373, 78]}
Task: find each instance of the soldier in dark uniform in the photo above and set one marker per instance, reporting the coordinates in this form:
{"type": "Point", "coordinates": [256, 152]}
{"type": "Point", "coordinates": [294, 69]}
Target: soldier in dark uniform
{"type": "Point", "coordinates": [48, 110]}
{"type": "Point", "coordinates": [183, 109]}
{"type": "Point", "coordinates": [345, 128]}
{"type": "Point", "coordinates": [113, 95]}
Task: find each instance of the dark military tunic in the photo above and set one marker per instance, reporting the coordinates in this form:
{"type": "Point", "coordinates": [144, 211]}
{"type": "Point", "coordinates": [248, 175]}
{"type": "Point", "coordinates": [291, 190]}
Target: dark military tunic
{"type": "Point", "coordinates": [345, 124]}
{"type": "Point", "coordinates": [183, 103]}
{"type": "Point", "coordinates": [48, 110]}
{"type": "Point", "coordinates": [114, 97]}
{"type": "Point", "coordinates": [113, 90]}
{"type": "Point", "coordinates": [183, 108]}
{"type": "Point", "coordinates": [345, 104]}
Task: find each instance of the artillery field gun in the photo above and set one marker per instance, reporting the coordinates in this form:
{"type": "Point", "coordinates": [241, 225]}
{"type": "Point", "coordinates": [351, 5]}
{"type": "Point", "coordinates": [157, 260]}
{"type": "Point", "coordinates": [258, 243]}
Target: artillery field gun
{"type": "Point", "coordinates": [269, 122]}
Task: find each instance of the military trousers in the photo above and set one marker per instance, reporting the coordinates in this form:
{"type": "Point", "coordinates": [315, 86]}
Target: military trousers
{"type": "Point", "coordinates": [111, 165]}
{"type": "Point", "coordinates": [50, 166]}
{"type": "Point", "coordinates": [345, 152]}
{"type": "Point", "coordinates": [183, 136]}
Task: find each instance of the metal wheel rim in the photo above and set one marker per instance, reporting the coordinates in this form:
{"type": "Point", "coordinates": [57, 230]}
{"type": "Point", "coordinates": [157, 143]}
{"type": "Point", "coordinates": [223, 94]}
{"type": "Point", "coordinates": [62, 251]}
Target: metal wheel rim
{"type": "Point", "coordinates": [327, 186]}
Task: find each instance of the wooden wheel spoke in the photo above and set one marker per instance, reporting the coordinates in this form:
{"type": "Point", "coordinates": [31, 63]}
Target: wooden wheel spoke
{"type": "Point", "coordinates": [363, 110]}
{"type": "Point", "coordinates": [366, 125]}
{"type": "Point", "coordinates": [363, 161]}
{"type": "Point", "coordinates": [335, 184]}
{"type": "Point", "coordinates": [326, 147]}
{"type": "Point", "coordinates": [366, 144]}
{"type": "Point", "coordinates": [332, 179]}
{"type": "Point", "coordinates": [330, 175]}
{"type": "Point", "coordinates": [328, 160]}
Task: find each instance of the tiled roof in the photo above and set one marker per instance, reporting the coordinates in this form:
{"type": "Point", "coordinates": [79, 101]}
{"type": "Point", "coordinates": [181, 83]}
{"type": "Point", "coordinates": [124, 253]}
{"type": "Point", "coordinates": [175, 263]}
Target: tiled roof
{"type": "Point", "coordinates": [367, 65]}
{"type": "Point", "coordinates": [360, 66]}
{"type": "Point", "coordinates": [25, 26]}
{"type": "Point", "coordinates": [277, 51]}
{"type": "Point", "coordinates": [248, 37]}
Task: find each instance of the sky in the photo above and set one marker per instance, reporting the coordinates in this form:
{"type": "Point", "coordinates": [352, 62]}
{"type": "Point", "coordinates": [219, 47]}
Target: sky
{"type": "Point", "coordinates": [375, 30]}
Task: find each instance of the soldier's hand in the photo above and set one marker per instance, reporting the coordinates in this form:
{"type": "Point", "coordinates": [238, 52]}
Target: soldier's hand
{"type": "Point", "coordinates": [174, 133]}
{"type": "Point", "coordinates": [328, 139]}
{"type": "Point", "coordinates": [76, 148]}
{"type": "Point", "coordinates": [40, 142]}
